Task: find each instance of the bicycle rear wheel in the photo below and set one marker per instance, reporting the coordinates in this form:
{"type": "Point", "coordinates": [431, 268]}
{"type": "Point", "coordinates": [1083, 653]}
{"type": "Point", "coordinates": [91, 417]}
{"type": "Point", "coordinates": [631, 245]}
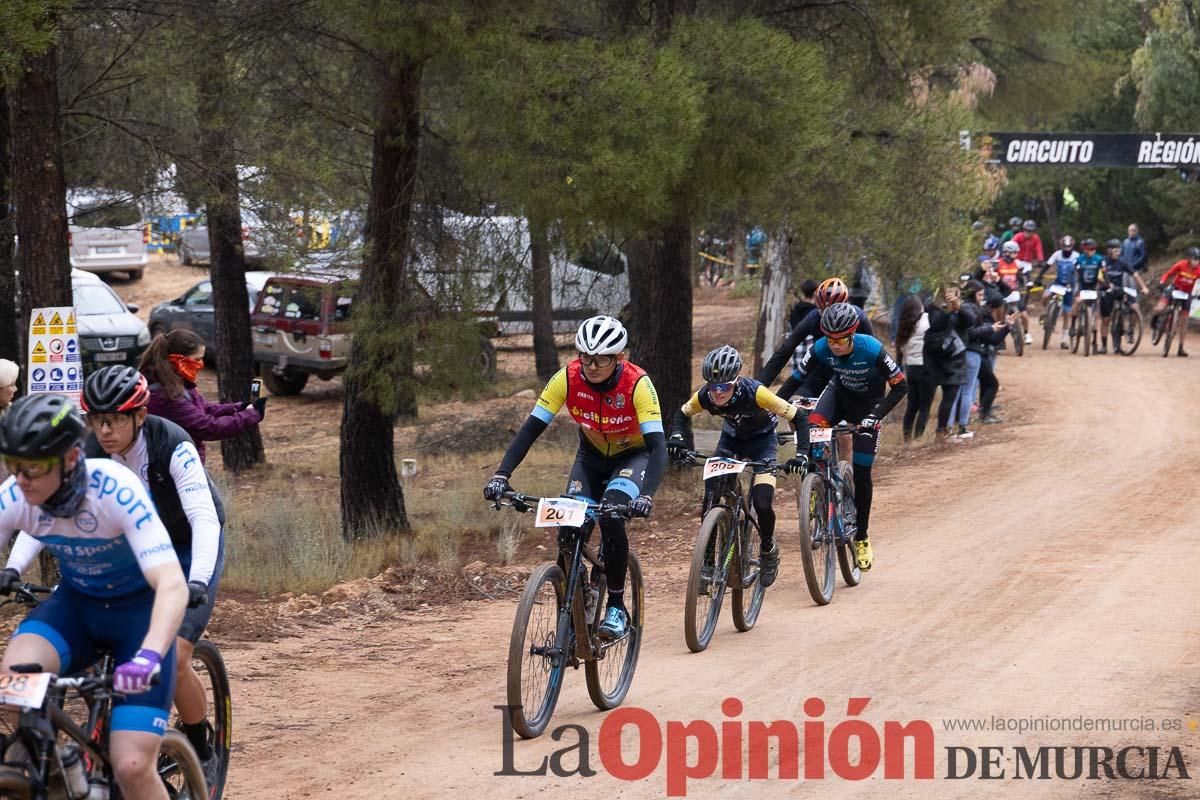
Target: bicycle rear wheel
{"type": "Point", "coordinates": [535, 666]}
{"type": "Point", "coordinates": [1131, 331]}
{"type": "Point", "coordinates": [816, 540]}
{"type": "Point", "coordinates": [1049, 323]}
{"type": "Point", "coordinates": [851, 574]}
{"type": "Point", "coordinates": [179, 768]}
{"type": "Point", "coordinates": [748, 590]}
{"type": "Point", "coordinates": [610, 676]}
{"type": "Point", "coordinates": [705, 592]}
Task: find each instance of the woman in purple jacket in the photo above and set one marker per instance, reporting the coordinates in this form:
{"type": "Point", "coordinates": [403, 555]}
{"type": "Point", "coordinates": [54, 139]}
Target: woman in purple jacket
{"type": "Point", "coordinates": [171, 363]}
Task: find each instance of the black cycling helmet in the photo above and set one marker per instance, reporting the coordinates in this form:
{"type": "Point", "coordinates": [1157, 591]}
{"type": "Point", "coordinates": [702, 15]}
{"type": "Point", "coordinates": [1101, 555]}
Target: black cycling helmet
{"type": "Point", "coordinates": [839, 320]}
{"type": "Point", "coordinates": [114, 390]}
{"type": "Point", "coordinates": [1193, 253]}
{"type": "Point", "coordinates": [721, 365]}
{"type": "Point", "coordinates": [40, 426]}
{"type": "Point", "coordinates": [1113, 244]}
{"type": "Point", "coordinates": [1029, 225]}
{"type": "Point", "coordinates": [1088, 244]}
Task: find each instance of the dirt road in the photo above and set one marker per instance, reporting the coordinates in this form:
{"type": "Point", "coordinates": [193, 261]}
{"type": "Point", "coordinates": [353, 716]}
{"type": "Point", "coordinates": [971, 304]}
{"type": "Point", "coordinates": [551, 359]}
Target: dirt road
{"type": "Point", "coordinates": [1046, 570]}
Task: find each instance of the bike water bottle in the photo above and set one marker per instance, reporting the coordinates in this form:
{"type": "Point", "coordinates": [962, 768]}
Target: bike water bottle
{"type": "Point", "coordinates": [98, 790]}
{"type": "Point", "coordinates": [74, 774]}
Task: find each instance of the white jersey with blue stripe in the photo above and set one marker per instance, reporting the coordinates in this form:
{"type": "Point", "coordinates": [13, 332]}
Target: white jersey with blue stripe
{"type": "Point", "coordinates": [106, 547]}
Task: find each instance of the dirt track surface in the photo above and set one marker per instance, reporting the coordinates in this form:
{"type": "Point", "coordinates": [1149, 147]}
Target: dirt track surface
{"type": "Point", "coordinates": [1047, 569]}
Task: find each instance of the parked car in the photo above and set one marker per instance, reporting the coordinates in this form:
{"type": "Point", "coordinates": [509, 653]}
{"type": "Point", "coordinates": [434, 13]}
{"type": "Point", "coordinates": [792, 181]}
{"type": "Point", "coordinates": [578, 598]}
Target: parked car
{"type": "Point", "coordinates": [194, 246]}
{"type": "Point", "coordinates": [109, 333]}
{"type": "Point", "coordinates": [193, 310]}
{"type": "Point", "coordinates": [301, 327]}
{"type": "Point", "coordinates": [107, 235]}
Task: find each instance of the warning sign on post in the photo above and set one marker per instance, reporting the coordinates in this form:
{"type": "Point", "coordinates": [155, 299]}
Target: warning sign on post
{"type": "Point", "coordinates": [53, 342]}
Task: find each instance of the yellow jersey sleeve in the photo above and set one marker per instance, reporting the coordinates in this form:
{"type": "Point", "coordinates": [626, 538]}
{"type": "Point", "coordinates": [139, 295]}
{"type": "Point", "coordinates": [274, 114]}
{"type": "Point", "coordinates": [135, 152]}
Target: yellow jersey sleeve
{"type": "Point", "coordinates": [692, 407]}
{"type": "Point", "coordinates": [769, 401]}
{"type": "Point", "coordinates": [552, 397]}
{"type": "Point", "coordinates": [645, 402]}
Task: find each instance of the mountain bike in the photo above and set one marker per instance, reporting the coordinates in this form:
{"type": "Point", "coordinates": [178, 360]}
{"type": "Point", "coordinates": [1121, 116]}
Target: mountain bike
{"type": "Point", "coordinates": [1126, 325]}
{"type": "Point", "coordinates": [726, 553]}
{"type": "Point", "coordinates": [50, 755]}
{"type": "Point", "coordinates": [827, 515]}
{"type": "Point", "coordinates": [1054, 306]}
{"type": "Point", "coordinates": [1084, 320]}
{"type": "Point", "coordinates": [1012, 307]}
{"type": "Point", "coordinates": [559, 615]}
{"type": "Point", "coordinates": [1175, 314]}
{"type": "Point", "coordinates": [210, 666]}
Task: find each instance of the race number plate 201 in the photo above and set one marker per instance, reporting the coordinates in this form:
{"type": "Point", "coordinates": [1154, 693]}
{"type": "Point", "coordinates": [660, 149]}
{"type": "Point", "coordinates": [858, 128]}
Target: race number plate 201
{"type": "Point", "coordinates": [820, 434]}
{"type": "Point", "coordinates": [714, 467]}
{"type": "Point", "coordinates": [555, 511]}
{"type": "Point", "coordinates": [1178, 295]}
{"type": "Point", "coordinates": [26, 690]}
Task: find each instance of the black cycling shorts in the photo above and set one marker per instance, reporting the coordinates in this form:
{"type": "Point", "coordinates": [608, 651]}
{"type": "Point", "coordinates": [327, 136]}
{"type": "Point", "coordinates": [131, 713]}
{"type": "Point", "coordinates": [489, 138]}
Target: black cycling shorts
{"type": "Point", "coordinates": [592, 475]}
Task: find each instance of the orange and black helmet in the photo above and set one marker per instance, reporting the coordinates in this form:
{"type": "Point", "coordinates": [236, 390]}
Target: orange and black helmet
{"type": "Point", "coordinates": [831, 290]}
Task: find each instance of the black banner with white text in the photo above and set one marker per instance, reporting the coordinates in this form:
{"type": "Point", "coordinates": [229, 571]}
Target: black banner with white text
{"type": "Point", "coordinates": [1148, 150]}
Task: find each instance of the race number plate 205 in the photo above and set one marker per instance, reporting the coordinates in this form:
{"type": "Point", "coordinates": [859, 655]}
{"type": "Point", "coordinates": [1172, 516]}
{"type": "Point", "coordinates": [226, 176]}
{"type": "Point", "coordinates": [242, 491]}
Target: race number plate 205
{"type": "Point", "coordinates": [555, 511]}
{"type": "Point", "coordinates": [26, 690]}
{"type": "Point", "coordinates": [1087, 294]}
{"type": "Point", "coordinates": [714, 467]}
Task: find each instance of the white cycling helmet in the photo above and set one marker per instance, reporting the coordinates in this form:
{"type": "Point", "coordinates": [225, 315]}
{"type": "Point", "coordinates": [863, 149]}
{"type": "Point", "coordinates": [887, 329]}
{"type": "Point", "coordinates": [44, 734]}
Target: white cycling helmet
{"type": "Point", "coordinates": [1011, 247]}
{"type": "Point", "coordinates": [601, 336]}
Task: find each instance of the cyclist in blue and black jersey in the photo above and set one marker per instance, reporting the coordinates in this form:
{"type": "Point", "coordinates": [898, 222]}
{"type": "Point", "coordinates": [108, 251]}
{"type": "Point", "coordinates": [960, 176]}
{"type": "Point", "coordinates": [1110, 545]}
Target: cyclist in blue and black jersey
{"type": "Point", "coordinates": [751, 412]}
{"type": "Point", "coordinates": [858, 382]}
{"type": "Point", "coordinates": [1118, 275]}
{"type": "Point", "coordinates": [122, 587]}
{"type": "Point", "coordinates": [1089, 272]}
{"type": "Point", "coordinates": [831, 290]}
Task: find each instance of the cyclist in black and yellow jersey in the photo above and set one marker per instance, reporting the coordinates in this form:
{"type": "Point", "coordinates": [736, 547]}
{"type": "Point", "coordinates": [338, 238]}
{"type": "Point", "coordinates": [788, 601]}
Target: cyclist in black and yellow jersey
{"type": "Point", "coordinates": [751, 412]}
{"type": "Point", "coordinates": [622, 449]}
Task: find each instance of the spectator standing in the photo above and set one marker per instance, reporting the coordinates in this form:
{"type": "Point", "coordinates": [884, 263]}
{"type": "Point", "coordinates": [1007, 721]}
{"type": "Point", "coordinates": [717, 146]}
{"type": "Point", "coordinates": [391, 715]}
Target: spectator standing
{"type": "Point", "coordinates": [171, 364]}
{"type": "Point", "coordinates": [1133, 253]}
{"type": "Point", "coordinates": [910, 350]}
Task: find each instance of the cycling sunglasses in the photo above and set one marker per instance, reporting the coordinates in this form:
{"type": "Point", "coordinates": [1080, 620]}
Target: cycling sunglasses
{"type": "Point", "coordinates": [721, 387]}
{"type": "Point", "coordinates": [31, 468]}
{"type": "Point", "coordinates": [596, 361]}
{"type": "Point", "coordinates": [840, 339]}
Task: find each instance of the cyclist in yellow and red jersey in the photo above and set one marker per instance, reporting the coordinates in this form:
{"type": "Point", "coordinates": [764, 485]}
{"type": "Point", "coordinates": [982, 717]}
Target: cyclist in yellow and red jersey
{"type": "Point", "coordinates": [1181, 277]}
{"type": "Point", "coordinates": [622, 448]}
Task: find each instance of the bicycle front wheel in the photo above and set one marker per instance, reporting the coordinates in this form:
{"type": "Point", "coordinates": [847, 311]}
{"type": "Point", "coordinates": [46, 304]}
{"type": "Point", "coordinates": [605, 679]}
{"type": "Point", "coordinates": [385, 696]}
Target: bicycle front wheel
{"type": "Point", "coordinates": [1086, 314]}
{"type": "Point", "coordinates": [748, 590]}
{"type": "Point", "coordinates": [610, 676]}
{"type": "Point", "coordinates": [208, 664]}
{"type": "Point", "coordinates": [816, 542]}
{"type": "Point", "coordinates": [1131, 331]}
{"type": "Point", "coordinates": [1169, 322]}
{"type": "Point", "coordinates": [1018, 335]}
{"type": "Point", "coordinates": [1049, 324]}
{"type": "Point", "coordinates": [851, 574]}
{"type": "Point", "coordinates": [707, 579]}
{"type": "Point", "coordinates": [179, 767]}
{"type": "Point", "coordinates": [535, 663]}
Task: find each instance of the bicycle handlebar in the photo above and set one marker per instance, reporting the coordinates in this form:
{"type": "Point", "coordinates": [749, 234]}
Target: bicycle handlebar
{"type": "Point", "coordinates": [26, 594]}
{"type": "Point", "coordinates": [518, 501]}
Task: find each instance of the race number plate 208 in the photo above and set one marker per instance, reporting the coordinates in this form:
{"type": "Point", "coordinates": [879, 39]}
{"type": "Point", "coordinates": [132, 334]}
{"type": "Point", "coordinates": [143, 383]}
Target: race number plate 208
{"type": "Point", "coordinates": [722, 466]}
{"type": "Point", "coordinates": [555, 511]}
{"type": "Point", "coordinates": [26, 690]}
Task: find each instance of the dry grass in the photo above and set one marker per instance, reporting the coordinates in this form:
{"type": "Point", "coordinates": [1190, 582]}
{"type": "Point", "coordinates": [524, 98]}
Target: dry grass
{"type": "Point", "coordinates": [282, 537]}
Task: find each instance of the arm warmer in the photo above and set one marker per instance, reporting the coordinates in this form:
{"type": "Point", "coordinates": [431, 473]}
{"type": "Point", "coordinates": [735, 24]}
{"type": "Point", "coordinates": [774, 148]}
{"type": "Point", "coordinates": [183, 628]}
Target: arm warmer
{"type": "Point", "coordinates": [656, 444]}
{"type": "Point", "coordinates": [518, 448]}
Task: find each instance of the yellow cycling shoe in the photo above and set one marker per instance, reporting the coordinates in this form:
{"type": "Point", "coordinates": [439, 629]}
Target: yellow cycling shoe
{"type": "Point", "coordinates": [862, 554]}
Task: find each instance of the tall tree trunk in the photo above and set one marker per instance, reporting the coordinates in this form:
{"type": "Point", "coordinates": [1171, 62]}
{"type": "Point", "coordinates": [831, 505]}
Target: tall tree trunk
{"type": "Point", "coordinates": [231, 300]}
{"type": "Point", "coordinates": [660, 293]}
{"type": "Point", "coordinates": [545, 354]}
{"type": "Point", "coordinates": [10, 339]}
{"type": "Point", "coordinates": [39, 189]}
{"type": "Point", "coordinates": [379, 381]}
{"type": "Point", "coordinates": [772, 304]}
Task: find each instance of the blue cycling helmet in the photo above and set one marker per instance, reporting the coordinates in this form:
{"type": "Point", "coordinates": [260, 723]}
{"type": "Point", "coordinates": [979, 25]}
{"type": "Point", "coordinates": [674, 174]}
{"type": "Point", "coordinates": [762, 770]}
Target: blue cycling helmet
{"type": "Point", "coordinates": [991, 243]}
